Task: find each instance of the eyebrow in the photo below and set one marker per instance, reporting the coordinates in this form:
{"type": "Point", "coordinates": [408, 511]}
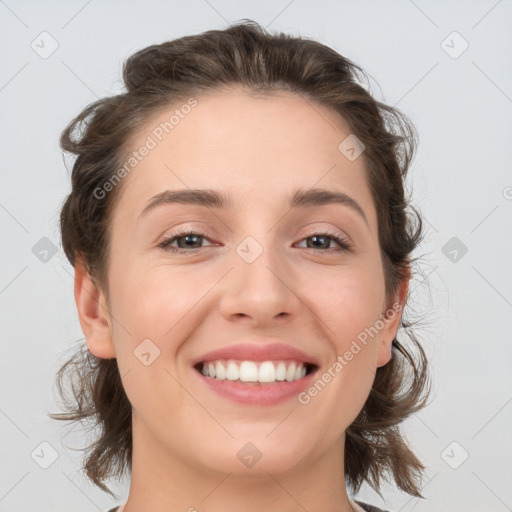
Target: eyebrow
{"type": "Point", "coordinates": [215, 199]}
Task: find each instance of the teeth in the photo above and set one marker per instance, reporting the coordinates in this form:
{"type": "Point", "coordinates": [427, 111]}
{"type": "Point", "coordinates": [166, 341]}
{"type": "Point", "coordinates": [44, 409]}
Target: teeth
{"type": "Point", "coordinates": [250, 371]}
{"type": "Point", "coordinates": [281, 371]}
{"type": "Point", "coordinates": [290, 373]}
{"type": "Point", "coordinates": [267, 372]}
{"type": "Point", "coordinates": [220, 371]}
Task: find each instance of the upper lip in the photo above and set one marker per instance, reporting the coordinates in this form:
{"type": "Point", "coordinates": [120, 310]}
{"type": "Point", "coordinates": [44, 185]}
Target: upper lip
{"type": "Point", "coordinates": [257, 352]}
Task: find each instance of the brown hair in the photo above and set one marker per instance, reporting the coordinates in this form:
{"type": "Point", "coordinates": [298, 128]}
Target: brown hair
{"type": "Point", "coordinates": [244, 55]}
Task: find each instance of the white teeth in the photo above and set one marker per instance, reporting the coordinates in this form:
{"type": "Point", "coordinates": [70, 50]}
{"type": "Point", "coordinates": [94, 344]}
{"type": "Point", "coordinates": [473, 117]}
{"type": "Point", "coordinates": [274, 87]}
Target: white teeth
{"type": "Point", "coordinates": [290, 373]}
{"type": "Point", "coordinates": [248, 371]}
{"type": "Point", "coordinates": [267, 372]}
{"type": "Point", "coordinates": [281, 371]}
{"type": "Point", "coordinates": [251, 371]}
{"type": "Point", "coordinates": [220, 371]}
{"type": "Point", "coordinates": [232, 373]}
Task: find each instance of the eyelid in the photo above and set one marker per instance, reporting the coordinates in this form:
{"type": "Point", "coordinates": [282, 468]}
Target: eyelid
{"type": "Point", "coordinates": [344, 242]}
{"type": "Point", "coordinates": [173, 231]}
{"type": "Point", "coordinates": [316, 227]}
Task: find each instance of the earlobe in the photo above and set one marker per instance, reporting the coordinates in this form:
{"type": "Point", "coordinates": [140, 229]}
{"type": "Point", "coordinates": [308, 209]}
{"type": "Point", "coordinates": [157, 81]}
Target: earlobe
{"type": "Point", "coordinates": [385, 353]}
{"type": "Point", "coordinates": [391, 318]}
{"type": "Point", "coordinates": [93, 313]}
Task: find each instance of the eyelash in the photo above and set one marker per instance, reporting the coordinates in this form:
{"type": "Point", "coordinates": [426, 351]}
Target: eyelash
{"type": "Point", "coordinates": [345, 245]}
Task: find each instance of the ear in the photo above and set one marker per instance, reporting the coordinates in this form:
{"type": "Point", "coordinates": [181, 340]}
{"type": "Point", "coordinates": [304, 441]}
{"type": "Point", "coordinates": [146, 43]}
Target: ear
{"type": "Point", "coordinates": [391, 318]}
{"type": "Point", "coordinates": [93, 313]}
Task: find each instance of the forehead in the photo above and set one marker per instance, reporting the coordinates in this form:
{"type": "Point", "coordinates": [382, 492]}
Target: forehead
{"type": "Point", "coordinates": [254, 147]}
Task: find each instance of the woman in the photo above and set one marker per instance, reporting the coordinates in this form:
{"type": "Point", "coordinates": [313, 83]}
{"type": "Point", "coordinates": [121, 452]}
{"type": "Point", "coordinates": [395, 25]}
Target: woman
{"type": "Point", "coordinates": [242, 253]}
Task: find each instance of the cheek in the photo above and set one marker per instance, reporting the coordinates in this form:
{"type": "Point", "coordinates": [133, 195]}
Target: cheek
{"type": "Point", "coordinates": [343, 385]}
{"type": "Point", "coordinates": [148, 299]}
{"type": "Point", "coordinates": [156, 310]}
{"type": "Point", "coordinates": [147, 336]}
{"type": "Point", "coordinates": [348, 305]}
{"type": "Point", "coordinates": [348, 300]}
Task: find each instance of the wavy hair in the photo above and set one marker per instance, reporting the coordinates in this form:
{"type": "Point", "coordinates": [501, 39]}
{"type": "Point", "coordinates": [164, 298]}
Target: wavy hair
{"type": "Point", "coordinates": [245, 55]}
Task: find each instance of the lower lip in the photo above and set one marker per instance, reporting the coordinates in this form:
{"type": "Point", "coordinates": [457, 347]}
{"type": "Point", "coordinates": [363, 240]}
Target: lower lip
{"type": "Point", "coordinates": [257, 393]}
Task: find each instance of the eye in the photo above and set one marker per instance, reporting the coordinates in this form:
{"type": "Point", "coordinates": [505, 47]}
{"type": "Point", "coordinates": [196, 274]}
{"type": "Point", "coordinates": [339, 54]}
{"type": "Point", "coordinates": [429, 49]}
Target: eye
{"type": "Point", "coordinates": [190, 241]}
{"type": "Point", "coordinates": [187, 239]}
{"type": "Point", "coordinates": [322, 240]}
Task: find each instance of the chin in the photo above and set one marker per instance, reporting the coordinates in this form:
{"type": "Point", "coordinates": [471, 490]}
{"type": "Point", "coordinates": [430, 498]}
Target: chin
{"type": "Point", "coordinates": [254, 455]}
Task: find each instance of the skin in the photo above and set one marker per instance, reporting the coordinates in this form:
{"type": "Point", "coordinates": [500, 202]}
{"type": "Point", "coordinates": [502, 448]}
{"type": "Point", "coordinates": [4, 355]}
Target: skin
{"type": "Point", "coordinates": [256, 149]}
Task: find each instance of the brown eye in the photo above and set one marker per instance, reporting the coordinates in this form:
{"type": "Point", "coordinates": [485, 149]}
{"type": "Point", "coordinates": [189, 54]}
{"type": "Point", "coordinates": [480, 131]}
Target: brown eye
{"type": "Point", "coordinates": [323, 241]}
{"type": "Point", "coordinates": [187, 241]}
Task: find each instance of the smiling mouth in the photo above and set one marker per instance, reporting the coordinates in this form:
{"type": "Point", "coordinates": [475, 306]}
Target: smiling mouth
{"type": "Point", "coordinates": [255, 372]}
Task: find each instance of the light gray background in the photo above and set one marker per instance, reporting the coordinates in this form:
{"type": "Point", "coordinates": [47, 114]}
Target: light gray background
{"type": "Point", "coordinates": [460, 179]}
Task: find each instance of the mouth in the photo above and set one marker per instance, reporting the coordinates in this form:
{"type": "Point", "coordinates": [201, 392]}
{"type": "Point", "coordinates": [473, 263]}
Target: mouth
{"type": "Point", "coordinates": [255, 383]}
{"type": "Point", "coordinates": [255, 372]}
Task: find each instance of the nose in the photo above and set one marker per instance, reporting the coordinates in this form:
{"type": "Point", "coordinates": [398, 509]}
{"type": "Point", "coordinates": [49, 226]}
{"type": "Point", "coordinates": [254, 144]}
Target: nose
{"type": "Point", "coordinates": [259, 292]}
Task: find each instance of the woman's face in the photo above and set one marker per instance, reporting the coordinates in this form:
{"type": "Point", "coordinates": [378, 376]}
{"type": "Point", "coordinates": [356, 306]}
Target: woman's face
{"type": "Point", "coordinates": [255, 272]}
